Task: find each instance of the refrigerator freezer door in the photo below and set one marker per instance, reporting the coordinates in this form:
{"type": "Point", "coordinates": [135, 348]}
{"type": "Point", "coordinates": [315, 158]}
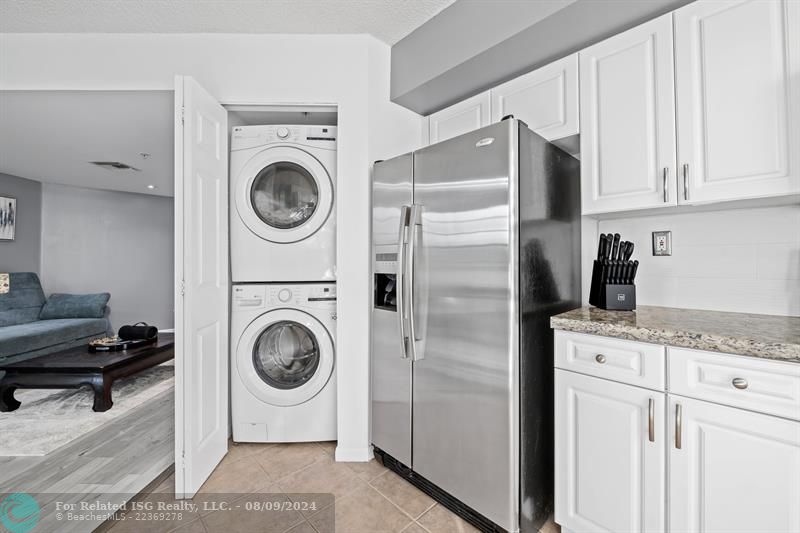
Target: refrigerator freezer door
{"type": "Point", "coordinates": [465, 424]}
{"type": "Point", "coordinates": [391, 372]}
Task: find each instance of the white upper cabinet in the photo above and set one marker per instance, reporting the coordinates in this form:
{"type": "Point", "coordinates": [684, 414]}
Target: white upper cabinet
{"type": "Point", "coordinates": [627, 115]}
{"type": "Point", "coordinates": [545, 99]}
{"type": "Point", "coordinates": [610, 456]}
{"type": "Point", "coordinates": [738, 99]}
{"type": "Point", "coordinates": [732, 470]}
{"type": "Point", "coordinates": [467, 115]}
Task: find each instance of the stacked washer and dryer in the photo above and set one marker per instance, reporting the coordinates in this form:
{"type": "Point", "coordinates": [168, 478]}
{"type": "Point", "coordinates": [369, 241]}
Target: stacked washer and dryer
{"type": "Point", "coordinates": [283, 268]}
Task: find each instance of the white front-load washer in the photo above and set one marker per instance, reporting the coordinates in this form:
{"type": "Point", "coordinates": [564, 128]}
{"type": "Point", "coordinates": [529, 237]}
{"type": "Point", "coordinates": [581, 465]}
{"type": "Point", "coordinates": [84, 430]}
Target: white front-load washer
{"type": "Point", "coordinates": [283, 203]}
{"type": "Point", "coordinates": [283, 367]}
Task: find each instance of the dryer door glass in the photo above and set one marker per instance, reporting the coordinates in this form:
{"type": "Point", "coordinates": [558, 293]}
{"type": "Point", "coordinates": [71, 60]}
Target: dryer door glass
{"type": "Point", "coordinates": [284, 195]}
{"type": "Point", "coordinates": [286, 355]}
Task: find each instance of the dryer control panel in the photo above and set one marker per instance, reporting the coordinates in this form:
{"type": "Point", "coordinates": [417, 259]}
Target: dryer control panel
{"type": "Point", "coordinates": [244, 137]}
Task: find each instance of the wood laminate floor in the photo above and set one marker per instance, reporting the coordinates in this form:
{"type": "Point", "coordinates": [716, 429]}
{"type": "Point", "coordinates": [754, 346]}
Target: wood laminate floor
{"type": "Point", "coordinates": [111, 463]}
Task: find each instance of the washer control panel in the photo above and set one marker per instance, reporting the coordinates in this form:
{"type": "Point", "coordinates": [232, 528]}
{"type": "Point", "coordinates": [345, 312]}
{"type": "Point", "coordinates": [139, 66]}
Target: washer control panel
{"type": "Point", "coordinates": [319, 295]}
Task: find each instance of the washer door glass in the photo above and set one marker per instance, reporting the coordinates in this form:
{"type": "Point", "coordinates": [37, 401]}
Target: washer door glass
{"type": "Point", "coordinates": [284, 195]}
{"type": "Point", "coordinates": [286, 355]}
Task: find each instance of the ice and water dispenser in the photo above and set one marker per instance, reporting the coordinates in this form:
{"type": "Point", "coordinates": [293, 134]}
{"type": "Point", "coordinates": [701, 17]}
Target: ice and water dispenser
{"type": "Point", "coordinates": [386, 282]}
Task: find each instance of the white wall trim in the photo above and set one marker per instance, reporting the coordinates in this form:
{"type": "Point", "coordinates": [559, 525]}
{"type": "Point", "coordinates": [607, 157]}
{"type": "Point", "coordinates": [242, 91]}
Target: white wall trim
{"type": "Point", "coordinates": [353, 455]}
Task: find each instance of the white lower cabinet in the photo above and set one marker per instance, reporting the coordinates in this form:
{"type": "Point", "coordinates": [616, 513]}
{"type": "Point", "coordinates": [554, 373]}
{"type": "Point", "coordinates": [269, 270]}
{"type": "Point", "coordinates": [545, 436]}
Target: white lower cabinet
{"type": "Point", "coordinates": [732, 470]}
{"type": "Point", "coordinates": [632, 459]}
{"type": "Point", "coordinates": [610, 475]}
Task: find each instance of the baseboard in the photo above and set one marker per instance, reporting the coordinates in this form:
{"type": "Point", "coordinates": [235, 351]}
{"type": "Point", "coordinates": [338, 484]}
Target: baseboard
{"type": "Point", "coordinates": [354, 455]}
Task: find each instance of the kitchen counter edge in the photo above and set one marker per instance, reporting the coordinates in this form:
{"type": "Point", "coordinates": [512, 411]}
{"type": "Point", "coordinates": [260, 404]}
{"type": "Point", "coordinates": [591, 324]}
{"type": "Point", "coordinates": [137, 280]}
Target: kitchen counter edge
{"type": "Point", "coordinates": [617, 324]}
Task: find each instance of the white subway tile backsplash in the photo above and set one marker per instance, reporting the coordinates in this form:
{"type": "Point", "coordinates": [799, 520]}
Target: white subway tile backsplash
{"type": "Point", "coordinates": [740, 260]}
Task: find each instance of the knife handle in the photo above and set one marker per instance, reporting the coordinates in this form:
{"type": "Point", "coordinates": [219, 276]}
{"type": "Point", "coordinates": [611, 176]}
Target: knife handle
{"type": "Point", "coordinates": [601, 247]}
{"type": "Point", "coordinates": [635, 269]}
{"type": "Point", "coordinates": [615, 246]}
{"type": "Point", "coordinates": [629, 251]}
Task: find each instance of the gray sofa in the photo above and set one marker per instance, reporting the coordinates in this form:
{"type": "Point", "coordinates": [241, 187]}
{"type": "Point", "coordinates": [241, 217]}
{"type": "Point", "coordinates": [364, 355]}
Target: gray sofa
{"type": "Point", "coordinates": [23, 334]}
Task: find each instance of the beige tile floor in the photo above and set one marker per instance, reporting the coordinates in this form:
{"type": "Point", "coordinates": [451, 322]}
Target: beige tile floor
{"type": "Point", "coordinates": [368, 497]}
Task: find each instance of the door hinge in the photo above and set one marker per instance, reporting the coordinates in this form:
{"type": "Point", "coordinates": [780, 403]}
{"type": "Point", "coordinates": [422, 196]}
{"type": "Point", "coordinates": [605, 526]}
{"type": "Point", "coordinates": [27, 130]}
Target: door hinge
{"type": "Point", "coordinates": [183, 287]}
{"type": "Point", "coordinates": [183, 115]}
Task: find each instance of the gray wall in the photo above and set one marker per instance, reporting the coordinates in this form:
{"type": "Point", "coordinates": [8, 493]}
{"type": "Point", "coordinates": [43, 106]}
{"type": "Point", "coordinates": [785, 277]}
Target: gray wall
{"type": "Point", "coordinates": [107, 241]}
{"type": "Point", "coordinates": [473, 45]}
{"type": "Point", "coordinates": [24, 253]}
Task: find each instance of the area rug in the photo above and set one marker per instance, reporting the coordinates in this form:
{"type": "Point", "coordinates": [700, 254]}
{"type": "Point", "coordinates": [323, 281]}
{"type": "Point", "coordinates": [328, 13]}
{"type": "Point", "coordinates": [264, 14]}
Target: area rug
{"type": "Point", "coordinates": [51, 418]}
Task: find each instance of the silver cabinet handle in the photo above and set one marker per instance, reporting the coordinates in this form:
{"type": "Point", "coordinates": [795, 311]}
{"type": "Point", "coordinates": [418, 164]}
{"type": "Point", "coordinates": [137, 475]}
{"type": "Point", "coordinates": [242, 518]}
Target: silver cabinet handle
{"type": "Point", "coordinates": [600, 358]}
{"type": "Point", "coordinates": [400, 277]}
{"type": "Point", "coordinates": [678, 425]}
{"type": "Point", "coordinates": [666, 191]}
{"type": "Point", "coordinates": [651, 420]}
{"type": "Point", "coordinates": [740, 383]}
{"type": "Point", "coordinates": [686, 181]}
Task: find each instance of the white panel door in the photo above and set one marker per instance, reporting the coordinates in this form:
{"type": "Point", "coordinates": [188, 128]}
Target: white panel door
{"type": "Point", "coordinates": [201, 271]}
{"type": "Point", "coordinates": [732, 470]}
{"type": "Point", "coordinates": [467, 115]}
{"type": "Point", "coordinates": [610, 475]}
{"type": "Point", "coordinates": [545, 99]}
{"type": "Point", "coordinates": [627, 110]}
{"type": "Point", "coordinates": [738, 99]}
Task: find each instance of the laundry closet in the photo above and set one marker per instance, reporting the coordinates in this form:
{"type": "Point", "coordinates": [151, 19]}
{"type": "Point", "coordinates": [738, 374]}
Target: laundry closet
{"type": "Point", "coordinates": [282, 210]}
{"type": "Point", "coordinates": [256, 255]}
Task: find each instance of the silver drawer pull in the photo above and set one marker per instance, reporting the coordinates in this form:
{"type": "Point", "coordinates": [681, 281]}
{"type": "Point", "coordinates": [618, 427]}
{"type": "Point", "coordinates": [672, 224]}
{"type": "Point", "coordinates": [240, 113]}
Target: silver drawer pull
{"type": "Point", "coordinates": [740, 383]}
{"type": "Point", "coordinates": [600, 358]}
{"type": "Point", "coordinates": [651, 420]}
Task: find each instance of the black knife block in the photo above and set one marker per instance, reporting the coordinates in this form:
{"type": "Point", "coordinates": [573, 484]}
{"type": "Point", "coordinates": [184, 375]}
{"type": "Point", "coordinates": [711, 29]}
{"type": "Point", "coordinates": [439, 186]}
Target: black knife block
{"type": "Point", "coordinates": [613, 296]}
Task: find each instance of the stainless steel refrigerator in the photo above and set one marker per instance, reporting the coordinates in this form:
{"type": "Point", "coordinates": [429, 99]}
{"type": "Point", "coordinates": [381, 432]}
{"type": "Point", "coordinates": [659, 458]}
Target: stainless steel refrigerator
{"type": "Point", "coordinates": [476, 243]}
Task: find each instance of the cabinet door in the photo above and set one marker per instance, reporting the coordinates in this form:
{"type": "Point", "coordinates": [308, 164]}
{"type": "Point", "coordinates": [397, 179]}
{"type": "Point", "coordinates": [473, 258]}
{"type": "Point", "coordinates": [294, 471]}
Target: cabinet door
{"type": "Point", "coordinates": [610, 476]}
{"type": "Point", "coordinates": [738, 99]}
{"type": "Point", "coordinates": [545, 99]}
{"type": "Point", "coordinates": [628, 120]}
{"type": "Point", "coordinates": [467, 115]}
{"type": "Point", "coordinates": [732, 470]}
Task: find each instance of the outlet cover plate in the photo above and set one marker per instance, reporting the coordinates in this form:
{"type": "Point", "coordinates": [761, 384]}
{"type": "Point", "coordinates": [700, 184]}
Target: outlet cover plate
{"type": "Point", "coordinates": [662, 243]}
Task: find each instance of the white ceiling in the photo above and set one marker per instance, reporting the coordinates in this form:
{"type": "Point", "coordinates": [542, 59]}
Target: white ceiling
{"type": "Point", "coordinates": [388, 20]}
{"type": "Point", "coordinates": [51, 136]}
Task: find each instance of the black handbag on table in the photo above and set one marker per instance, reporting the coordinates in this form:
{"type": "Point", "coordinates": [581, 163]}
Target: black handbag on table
{"type": "Point", "coordinates": [140, 330]}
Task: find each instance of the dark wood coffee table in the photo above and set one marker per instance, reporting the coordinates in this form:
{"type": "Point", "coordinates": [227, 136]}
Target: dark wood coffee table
{"type": "Point", "coordinates": [76, 367]}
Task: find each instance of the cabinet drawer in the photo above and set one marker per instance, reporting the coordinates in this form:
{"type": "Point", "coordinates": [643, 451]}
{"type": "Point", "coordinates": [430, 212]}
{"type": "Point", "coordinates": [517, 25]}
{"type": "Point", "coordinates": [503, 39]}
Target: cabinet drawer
{"type": "Point", "coordinates": [637, 363]}
{"type": "Point", "coordinates": [771, 387]}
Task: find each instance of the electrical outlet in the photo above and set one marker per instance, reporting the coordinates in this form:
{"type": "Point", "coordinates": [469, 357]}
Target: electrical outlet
{"type": "Point", "coordinates": [662, 243]}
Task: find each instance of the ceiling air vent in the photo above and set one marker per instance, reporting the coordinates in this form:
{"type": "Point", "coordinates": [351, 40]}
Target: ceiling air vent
{"type": "Point", "coordinates": [114, 165]}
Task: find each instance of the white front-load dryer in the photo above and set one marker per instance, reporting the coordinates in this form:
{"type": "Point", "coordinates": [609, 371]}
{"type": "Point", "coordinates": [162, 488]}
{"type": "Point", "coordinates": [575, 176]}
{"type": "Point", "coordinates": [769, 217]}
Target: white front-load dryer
{"type": "Point", "coordinates": [283, 203]}
{"type": "Point", "coordinates": [283, 367]}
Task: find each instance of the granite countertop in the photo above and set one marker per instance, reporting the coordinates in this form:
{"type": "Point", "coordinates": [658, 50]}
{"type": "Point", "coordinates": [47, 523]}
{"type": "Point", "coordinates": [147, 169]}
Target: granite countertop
{"type": "Point", "coordinates": [766, 336]}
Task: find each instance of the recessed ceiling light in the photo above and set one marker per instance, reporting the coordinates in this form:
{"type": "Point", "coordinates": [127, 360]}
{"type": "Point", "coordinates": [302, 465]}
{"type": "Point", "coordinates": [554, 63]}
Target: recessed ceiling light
{"type": "Point", "coordinates": [144, 155]}
{"type": "Point", "coordinates": [152, 187]}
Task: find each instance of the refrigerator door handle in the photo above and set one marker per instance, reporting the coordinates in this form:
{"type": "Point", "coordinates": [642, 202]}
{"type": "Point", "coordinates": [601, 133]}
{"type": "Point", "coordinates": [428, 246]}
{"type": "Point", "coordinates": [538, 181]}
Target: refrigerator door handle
{"type": "Point", "coordinates": [400, 277]}
{"type": "Point", "coordinates": [414, 220]}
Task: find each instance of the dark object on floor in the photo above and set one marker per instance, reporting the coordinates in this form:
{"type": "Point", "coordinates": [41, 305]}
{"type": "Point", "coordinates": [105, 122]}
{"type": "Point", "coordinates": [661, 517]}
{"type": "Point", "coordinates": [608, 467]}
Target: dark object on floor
{"type": "Point", "coordinates": [74, 368]}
